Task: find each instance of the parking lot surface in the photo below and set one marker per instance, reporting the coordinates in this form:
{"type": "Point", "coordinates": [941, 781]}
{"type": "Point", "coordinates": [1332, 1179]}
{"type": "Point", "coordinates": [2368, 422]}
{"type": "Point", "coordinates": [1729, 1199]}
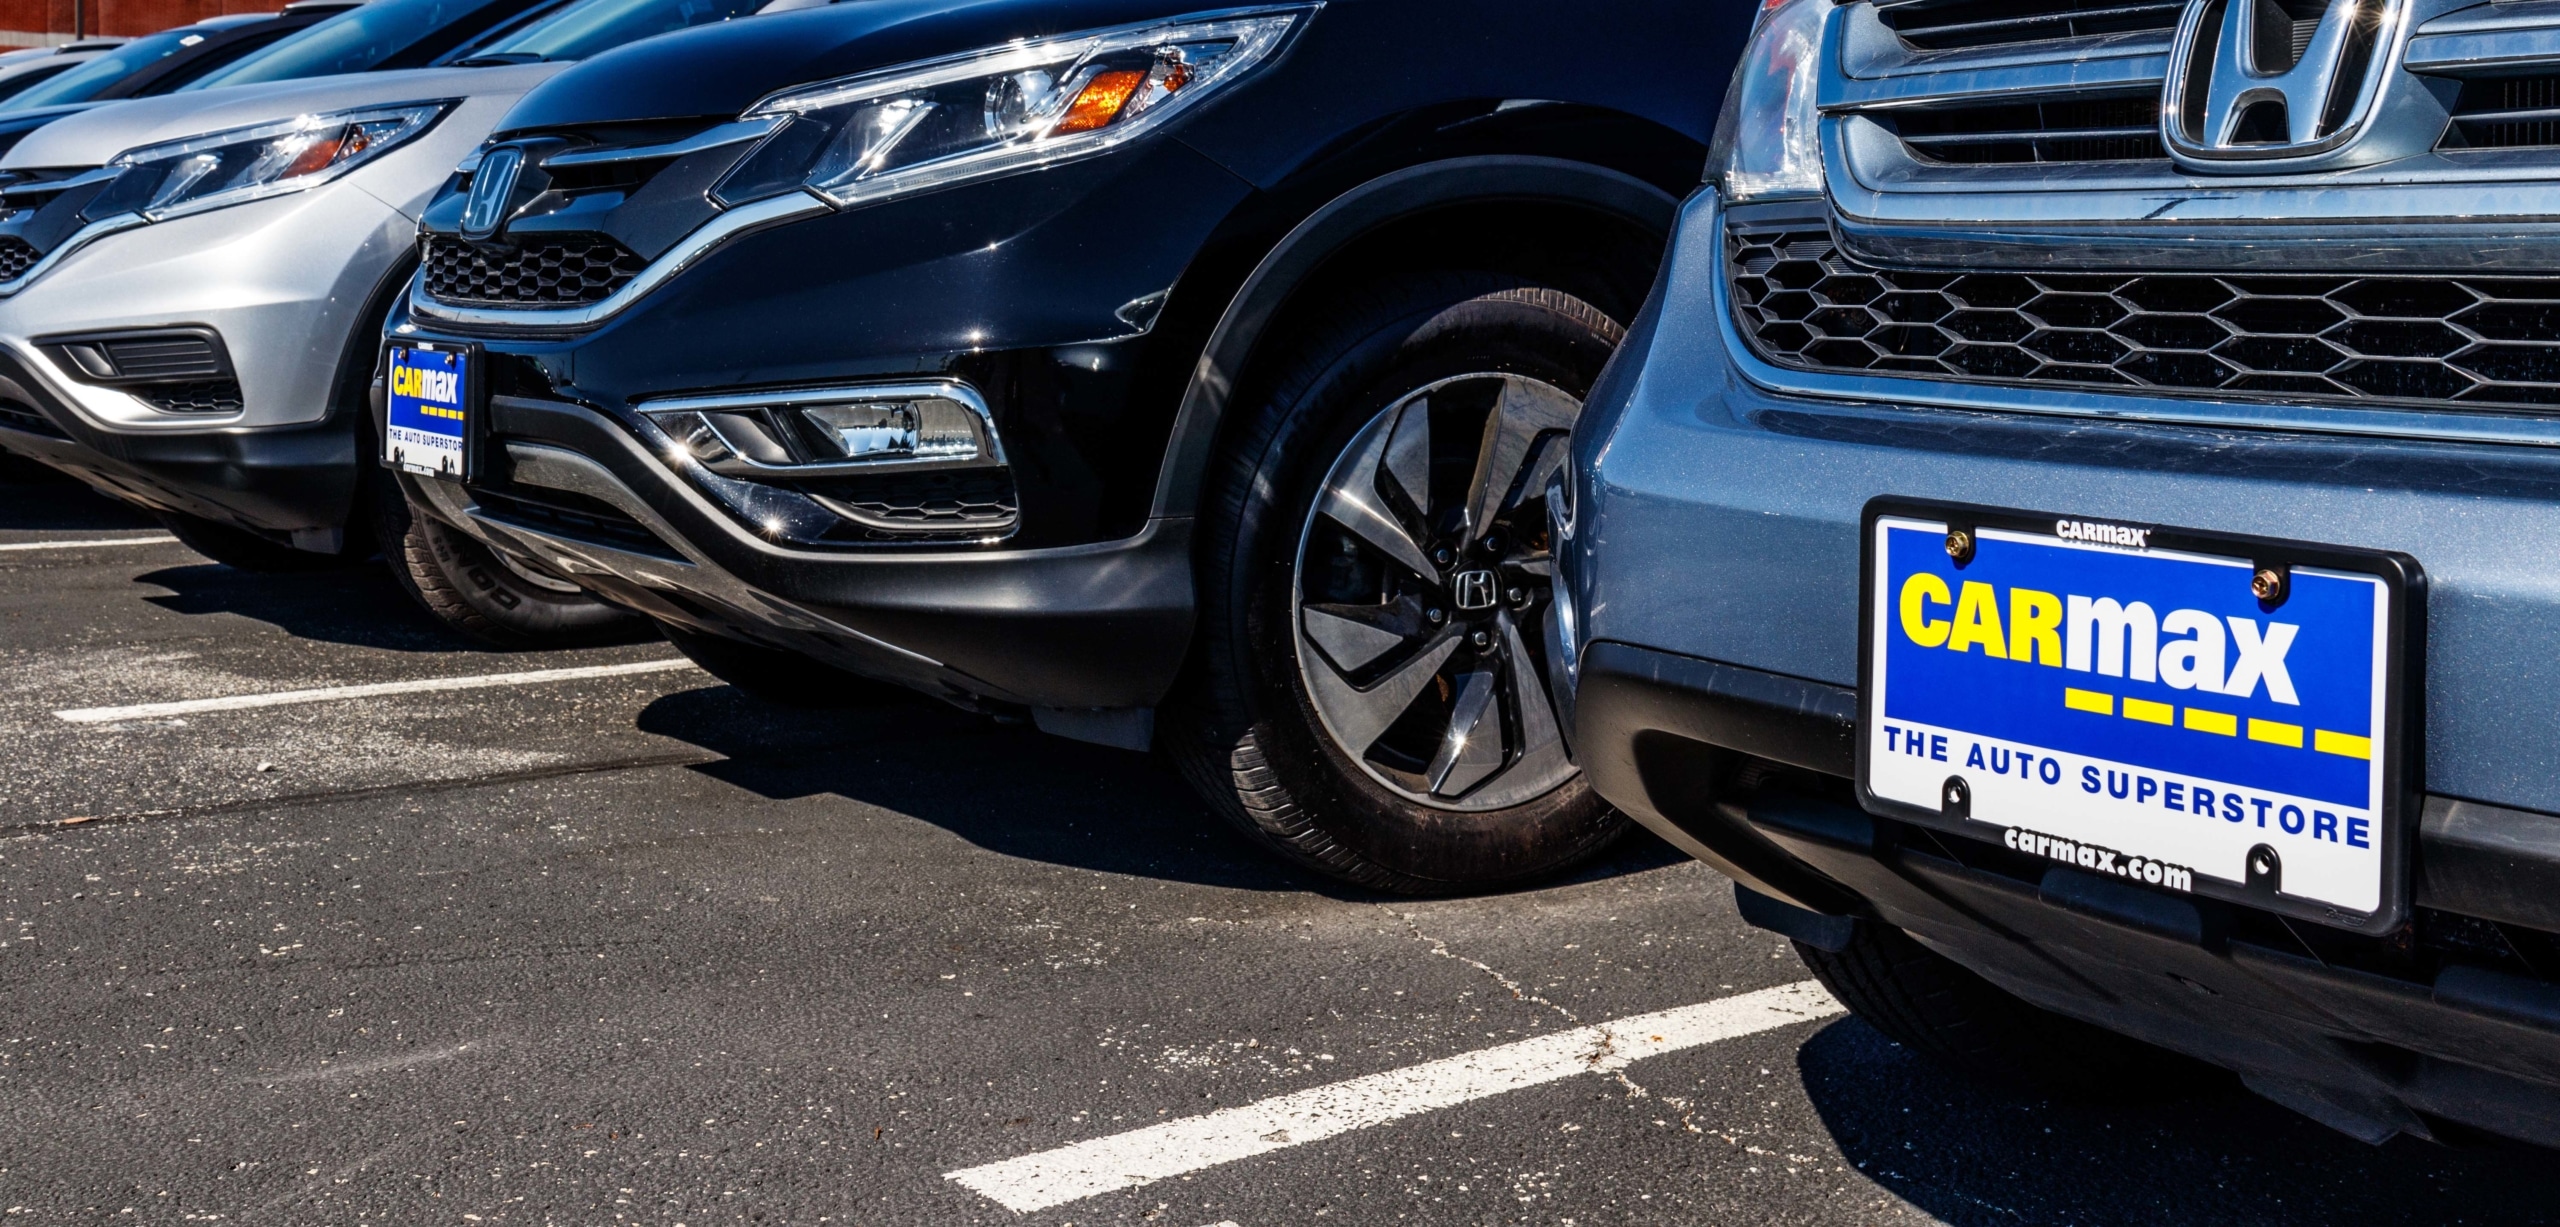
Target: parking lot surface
{"type": "Point", "coordinates": [587, 937]}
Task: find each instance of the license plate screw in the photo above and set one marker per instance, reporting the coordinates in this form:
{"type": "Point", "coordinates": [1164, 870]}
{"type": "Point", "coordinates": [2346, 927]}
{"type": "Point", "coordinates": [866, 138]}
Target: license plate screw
{"type": "Point", "coordinates": [2271, 584]}
{"type": "Point", "coordinates": [1960, 546]}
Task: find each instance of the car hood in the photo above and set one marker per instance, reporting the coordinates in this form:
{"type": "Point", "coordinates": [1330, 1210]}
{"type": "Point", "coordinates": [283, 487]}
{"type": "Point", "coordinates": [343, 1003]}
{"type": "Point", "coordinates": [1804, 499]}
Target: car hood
{"type": "Point", "coordinates": [722, 69]}
{"type": "Point", "coordinates": [92, 137]}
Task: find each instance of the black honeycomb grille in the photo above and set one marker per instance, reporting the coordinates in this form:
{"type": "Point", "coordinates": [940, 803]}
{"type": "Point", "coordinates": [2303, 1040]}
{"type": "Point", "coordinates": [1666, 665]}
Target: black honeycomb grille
{"type": "Point", "coordinates": [965, 502]}
{"type": "Point", "coordinates": [201, 396]}
{"type": "Point", "coordinates": [2466, 340]}
{"type": "Point", "coordinates": [553, 271]}
{"type": "Point", "coordinates": [16, 257]}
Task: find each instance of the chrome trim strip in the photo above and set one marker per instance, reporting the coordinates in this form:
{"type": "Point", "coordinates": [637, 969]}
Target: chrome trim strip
{"type": "Point", "coordinates": [744, 219]}
{"type": "Point", "coordinates": [709, 138]}
{"type": "Point", "coordinates": [2470, 52]}
{"type": "Point", "coordinates": [2164, 408]}
{"type": "Point", "coordinates": [80, 238]}
{"type": "Point", "coordinates": [1870, 51]}
{"type": "Point", "coordinates": [946, 389]}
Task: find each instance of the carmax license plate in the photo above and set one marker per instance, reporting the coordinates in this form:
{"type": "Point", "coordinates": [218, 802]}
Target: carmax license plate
{"type": "Point", "coordinates": [428, 427]}
{"type": "Point", "coordinates": [2191, 711]}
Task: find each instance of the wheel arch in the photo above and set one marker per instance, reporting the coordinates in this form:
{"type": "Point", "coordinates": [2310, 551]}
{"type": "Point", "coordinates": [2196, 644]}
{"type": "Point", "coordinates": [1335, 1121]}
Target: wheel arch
{"type": "Point", "coordinates": [1466, 205]}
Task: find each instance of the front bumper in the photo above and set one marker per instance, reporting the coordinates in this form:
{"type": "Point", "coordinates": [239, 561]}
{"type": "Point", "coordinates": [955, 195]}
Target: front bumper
{"type": "Point", "coordinates": [1714, 573]}
{"type": "Point", "coordinates": [286, 284]}
{"type": "Point", "coordinates": [1064, 629]}
{"type": "Point", "coordinates": [295, 286]}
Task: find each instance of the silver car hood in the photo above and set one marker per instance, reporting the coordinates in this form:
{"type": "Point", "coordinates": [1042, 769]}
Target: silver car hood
{"type": "Point", "coordinates": [93, 137]}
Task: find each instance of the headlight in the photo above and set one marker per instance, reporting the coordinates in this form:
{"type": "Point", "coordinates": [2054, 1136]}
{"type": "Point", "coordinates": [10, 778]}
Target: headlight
{"type": "Point", "coordinates": [227, 168]}
{"type": "Point", "coordinates": [1006, 109]}
{"type": "Point", "coordinates": [1769, 140]}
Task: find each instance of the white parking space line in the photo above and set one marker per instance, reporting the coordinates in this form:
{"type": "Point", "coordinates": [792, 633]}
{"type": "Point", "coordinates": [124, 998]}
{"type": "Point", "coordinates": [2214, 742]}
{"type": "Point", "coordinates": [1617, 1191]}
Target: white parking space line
{"type": "Point", "coordinates": [1173, 1148]}
{"type": "Point", "coordinates": [331, 694]}
{"type": "Point", "coordinates": [90, 544]}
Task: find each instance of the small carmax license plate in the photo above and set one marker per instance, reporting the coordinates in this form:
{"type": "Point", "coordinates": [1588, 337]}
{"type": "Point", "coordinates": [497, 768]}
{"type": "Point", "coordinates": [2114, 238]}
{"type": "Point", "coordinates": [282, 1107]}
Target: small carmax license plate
{"type": "Point", "coordinates": [428, 428]}
{"type": "Point", "coordinates": [2191, 711]}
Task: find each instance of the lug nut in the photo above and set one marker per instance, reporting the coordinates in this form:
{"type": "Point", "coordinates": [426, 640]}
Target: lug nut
{"type": "Point", "coordinates": [1492, 543]}
{"type": "Point", "coordinates": [1516, 597]}
{"type": "Point", "coordinates": [1436, 615]}
{"type": "Point", "coordinates": [1479, 638]}
{"type": "Point", "coordinates": [1443, 556]}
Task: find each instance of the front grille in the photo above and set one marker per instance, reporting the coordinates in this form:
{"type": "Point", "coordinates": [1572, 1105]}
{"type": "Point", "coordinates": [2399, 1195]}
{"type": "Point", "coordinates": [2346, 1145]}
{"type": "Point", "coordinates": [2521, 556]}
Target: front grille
{"type": "Point", "coordinates": [2077, 130]}
{"type": "Point", "coordinates": [205, 396]}
{"type": "Point", "coordinates": [574, 516]}
{"type": "Point", "coordinates": [551, 271]}
{"type": "Point", "coordinates": [1948, 25]}
{"type": "Point", "coordinates": [2505, 113]}
{"type": "Point", "coordinates": [2467, 340]}
{"type": "Point", "coordinates": [976, 502]}
{"type": "Point", "coordinates": [17, 256]}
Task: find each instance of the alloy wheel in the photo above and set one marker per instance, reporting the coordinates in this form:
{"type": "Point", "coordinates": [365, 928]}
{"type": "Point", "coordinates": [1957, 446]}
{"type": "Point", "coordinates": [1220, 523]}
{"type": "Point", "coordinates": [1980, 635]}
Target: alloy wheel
{"type": "Point", "coordinates": [1422, 570]}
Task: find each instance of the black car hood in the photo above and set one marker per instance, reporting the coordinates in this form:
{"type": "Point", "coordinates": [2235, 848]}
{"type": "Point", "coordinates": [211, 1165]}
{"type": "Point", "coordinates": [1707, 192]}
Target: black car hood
{"type": "Point", "coordinates": [725, 68]}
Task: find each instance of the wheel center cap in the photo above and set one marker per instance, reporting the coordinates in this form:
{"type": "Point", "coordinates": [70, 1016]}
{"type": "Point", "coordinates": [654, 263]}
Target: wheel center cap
{"type": "Point", "coordinates": [1472, 590]}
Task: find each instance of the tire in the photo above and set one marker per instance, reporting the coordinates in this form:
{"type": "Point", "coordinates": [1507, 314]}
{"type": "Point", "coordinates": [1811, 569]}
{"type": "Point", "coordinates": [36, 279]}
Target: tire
{"type": "Point", "coordinates": [786, 679]}
{"type": "Point", "coordinates": [247, 551]}
{"type": "Point", "coordinates": [468, 587]}
{"type": "Point", "coordinates": [1935, 1006]}
{"type": "Point", "coordinates": [1262, 721]}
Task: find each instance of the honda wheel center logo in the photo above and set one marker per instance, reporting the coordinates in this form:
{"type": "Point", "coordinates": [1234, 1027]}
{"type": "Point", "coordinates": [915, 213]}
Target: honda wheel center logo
{"type": "Point", "coordinates": [2254, 79]}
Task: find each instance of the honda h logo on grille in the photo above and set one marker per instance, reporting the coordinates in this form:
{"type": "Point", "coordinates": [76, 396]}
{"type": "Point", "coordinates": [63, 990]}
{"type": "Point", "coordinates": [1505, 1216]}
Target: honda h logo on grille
{"type": "Point", "coordinates": [491, 185]}
{"type": "Point", "coordinates": [1472, 589]}
{"type": "Point", "coordinates": [2253, 79]}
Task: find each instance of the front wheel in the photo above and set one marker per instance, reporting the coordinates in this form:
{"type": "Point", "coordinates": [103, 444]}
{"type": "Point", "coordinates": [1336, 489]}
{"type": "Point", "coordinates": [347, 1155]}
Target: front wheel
{"type": "Point", "coordinates": [1372, 696]}
{"type": "Point", "coordinates": [480, 592]}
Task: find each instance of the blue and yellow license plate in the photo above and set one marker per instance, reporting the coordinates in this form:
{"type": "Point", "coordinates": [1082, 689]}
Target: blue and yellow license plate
{"type": "Point", "coordinates": [2187, 711]}
{"type": "Point", "coordinates": [428, 427]}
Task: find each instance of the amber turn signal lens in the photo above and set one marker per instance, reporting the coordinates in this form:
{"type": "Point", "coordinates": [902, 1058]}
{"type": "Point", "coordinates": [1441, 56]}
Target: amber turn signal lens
{"type": "Point", "coordinates": [1100, 101]}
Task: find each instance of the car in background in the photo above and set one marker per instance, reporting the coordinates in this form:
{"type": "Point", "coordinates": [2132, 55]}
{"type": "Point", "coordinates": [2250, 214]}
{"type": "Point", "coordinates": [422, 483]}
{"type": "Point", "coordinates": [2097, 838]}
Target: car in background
{"type": "Point", "coordinates": [197, 283]}
{"type": "Point", "coordinates": [2061, 540]}
{"type": "Point", "coordinates": [24, 68]}
{"type": "Point", "coordinates": [152, 64]}
{"type": "Point", "coordinates": [1077, 361]}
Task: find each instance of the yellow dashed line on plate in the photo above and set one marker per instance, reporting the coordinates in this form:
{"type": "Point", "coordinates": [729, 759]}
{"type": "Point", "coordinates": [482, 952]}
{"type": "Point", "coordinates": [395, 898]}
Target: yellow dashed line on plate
{"type": "Point", "coordinates": [2275, 732]}
{"type": "Point", "coordinates": [2344, 745]}
{"type": "Point", "coordinates": [2149, 712]}
{"type": "Point", "coordinates": [2272, 732]}
{"type": "Point", "coordinates": [2089, 701]}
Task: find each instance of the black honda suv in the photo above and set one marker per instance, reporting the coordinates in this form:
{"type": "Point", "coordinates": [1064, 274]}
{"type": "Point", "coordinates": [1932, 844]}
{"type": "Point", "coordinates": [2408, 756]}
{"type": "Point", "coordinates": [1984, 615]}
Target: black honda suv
{"type": "Point", "coordinates": [1161, 375]}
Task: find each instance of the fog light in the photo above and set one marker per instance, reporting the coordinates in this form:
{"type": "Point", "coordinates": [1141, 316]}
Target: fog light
{"type": "Point", "coordinates": [833, 432]}
{"type": "Point", "coordinates": [930, 428]}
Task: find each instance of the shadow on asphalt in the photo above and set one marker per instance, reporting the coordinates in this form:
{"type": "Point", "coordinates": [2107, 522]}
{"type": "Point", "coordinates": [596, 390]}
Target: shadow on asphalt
{"type": "Point", "coordinates": [358, 605]}
{"type": "Point", "coordinates": [1975, 1156]}
{"type": "Point", "coordinates": [1006, 788]}
{"type": "Point", "coordinates": [37, 498]}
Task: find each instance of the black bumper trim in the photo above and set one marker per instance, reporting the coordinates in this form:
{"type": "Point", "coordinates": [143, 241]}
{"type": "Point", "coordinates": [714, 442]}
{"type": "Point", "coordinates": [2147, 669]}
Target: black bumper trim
{"type": "Point", "coordinates": [1103, 625]}
{"type": "Point", "coordinates": [2473, 859]}
{"type": "Point", "coordinates": [269, 481]}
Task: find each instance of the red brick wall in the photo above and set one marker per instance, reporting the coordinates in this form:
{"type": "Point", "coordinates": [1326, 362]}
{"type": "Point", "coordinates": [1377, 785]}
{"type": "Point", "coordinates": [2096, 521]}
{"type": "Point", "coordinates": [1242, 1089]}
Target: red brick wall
{"type": "Point", "coordinates": [19, 18]}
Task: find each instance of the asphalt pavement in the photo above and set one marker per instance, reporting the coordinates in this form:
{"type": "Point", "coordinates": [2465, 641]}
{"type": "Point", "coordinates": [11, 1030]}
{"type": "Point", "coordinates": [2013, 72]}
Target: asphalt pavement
{"type": "Point", "coordinates": [585, 937]}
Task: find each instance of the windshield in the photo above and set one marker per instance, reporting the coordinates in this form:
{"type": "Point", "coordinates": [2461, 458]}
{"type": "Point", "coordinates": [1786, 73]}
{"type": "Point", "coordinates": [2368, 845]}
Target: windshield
{"type": "Point", "coordinates": [584, 29]}
{"type": "Point", "coordinates": [358, 40]}
{"type": "Point", "coordinates": [83, 83]}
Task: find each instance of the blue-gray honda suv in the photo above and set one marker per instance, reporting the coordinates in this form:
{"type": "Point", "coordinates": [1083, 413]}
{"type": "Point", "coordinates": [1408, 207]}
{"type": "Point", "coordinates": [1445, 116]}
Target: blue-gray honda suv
{"type": "Point", "coordinates": [1077, 360]}
{"type": "Point", "coordinates": [2067, 536]}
